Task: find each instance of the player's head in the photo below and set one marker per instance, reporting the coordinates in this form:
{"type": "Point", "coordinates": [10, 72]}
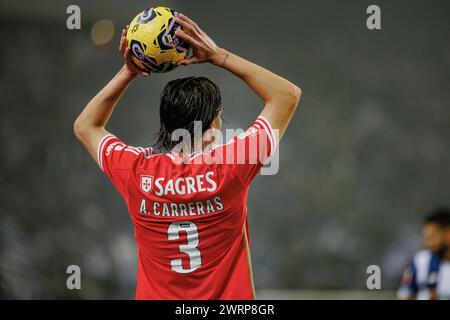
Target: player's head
{"type": "Point", "coordinates": [436, 230]}
{"type": "Point", "coordinates": [185, 101]}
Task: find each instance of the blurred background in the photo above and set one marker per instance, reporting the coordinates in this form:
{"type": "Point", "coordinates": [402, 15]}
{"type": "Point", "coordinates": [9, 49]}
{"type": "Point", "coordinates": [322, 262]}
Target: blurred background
{"type": "Point", "coordinates": [365, 158]}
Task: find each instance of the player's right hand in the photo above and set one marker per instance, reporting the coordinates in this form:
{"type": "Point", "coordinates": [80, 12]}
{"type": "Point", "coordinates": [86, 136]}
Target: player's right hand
{"type": "Point", "coordinates": [203, 47]}
{"type": "Point", "coordinates": [125, 52]}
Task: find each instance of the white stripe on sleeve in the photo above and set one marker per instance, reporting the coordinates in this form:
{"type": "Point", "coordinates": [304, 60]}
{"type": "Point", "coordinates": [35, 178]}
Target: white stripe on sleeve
{"type": "Point", "coordinates": [101, 146]}
{"type": "Point", "coordinates": [266, 125]}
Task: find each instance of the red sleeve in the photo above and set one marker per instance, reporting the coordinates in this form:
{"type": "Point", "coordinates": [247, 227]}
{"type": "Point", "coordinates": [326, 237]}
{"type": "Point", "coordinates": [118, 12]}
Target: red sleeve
{"type": "Point", "coordinates": [116, 159]}
{"type": "Point", "coordinates": [248, 152]}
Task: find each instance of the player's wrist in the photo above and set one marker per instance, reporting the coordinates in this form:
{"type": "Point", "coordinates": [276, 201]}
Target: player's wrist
{"type": "Point", "coordinates": [220, 57]}
{"type": "Point", "coordinates": [127, 73]}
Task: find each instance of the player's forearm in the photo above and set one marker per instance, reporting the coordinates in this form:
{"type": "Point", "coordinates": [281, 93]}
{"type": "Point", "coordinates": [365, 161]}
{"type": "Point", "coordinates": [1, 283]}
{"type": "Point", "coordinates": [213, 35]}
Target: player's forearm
{"type": "Point", "coordinates": [98, 111]}
{"type": "Point", "coordinates": [269, 86]}
{"type": "Point", "coordinates": [281, 97]}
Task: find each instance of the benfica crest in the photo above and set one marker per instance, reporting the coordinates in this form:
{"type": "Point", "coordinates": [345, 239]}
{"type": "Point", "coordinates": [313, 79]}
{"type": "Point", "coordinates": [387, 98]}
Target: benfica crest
{"type": "Point", "coordinates": [146, 183]}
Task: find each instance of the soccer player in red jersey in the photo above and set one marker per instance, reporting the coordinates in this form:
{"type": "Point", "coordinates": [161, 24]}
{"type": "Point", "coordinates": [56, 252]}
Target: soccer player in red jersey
{"type": "Point", "coordinates": [189, 210]}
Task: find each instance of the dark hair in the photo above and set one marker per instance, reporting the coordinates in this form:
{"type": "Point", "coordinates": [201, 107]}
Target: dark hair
{"type": "Point", "coordinates": [439, 216]}
{"type": "Point", "coordinates": [184, 101]}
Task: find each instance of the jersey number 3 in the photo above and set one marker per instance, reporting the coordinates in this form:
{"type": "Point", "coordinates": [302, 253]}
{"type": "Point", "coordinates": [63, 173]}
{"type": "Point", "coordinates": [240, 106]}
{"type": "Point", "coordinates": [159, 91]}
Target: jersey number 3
{"type": "Point", "coordinates": [195, 258]}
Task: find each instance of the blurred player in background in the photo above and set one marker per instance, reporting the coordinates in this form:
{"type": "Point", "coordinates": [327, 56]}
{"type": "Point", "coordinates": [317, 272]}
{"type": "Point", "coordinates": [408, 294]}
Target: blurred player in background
{"type": "Point", "coordinates": [428, 276]}
{"type": "Point", "coordinates": [190, 219]}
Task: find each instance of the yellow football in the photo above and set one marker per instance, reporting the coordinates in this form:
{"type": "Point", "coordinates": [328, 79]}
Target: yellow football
{"type": "Point", "coordinates": [152, 41]}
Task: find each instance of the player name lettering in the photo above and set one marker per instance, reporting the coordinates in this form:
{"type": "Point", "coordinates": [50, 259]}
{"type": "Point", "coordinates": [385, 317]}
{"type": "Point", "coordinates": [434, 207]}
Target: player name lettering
{"type": "Point", "coordinates": [175, 209]}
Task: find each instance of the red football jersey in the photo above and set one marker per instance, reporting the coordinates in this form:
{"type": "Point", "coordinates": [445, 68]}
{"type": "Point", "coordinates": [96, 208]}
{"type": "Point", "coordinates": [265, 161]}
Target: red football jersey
{"type": "Point", "coordinates": [190, 214]}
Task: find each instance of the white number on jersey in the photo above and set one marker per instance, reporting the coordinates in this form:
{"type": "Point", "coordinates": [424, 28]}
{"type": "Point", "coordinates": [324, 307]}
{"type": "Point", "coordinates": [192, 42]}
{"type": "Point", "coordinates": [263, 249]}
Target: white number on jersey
{"type": "Point", "coordinates": [195, 258]}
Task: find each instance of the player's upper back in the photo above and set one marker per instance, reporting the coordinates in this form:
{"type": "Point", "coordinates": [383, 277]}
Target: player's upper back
{"type": "Point", "coordinates": [189, 211]}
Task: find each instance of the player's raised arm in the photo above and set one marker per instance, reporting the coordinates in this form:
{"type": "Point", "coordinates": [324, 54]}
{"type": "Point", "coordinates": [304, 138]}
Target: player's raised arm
{"type": "Point", "coordinates": [89, 127]}
{"type": "Point", "coordinates": [281, 97]}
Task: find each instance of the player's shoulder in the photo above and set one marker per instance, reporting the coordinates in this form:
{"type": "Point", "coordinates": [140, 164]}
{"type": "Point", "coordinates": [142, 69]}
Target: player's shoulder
{"type": "Point", "coordinates": [422, 257]}
{"type": "Point", "coordinates": [113, 150]}
{"type": "Point", "coordinates": [423, 254]}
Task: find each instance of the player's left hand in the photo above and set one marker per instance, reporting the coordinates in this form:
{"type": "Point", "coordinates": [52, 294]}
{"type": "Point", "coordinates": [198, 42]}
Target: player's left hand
{"type": "Point", "coordinates": [125, 52]}
{"type": "Point", "coordinates": [203, 47]}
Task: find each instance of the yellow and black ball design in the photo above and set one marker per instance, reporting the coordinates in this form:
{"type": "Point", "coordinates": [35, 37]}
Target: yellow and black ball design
{"type": "Point", "coordinates": [152, 41]}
